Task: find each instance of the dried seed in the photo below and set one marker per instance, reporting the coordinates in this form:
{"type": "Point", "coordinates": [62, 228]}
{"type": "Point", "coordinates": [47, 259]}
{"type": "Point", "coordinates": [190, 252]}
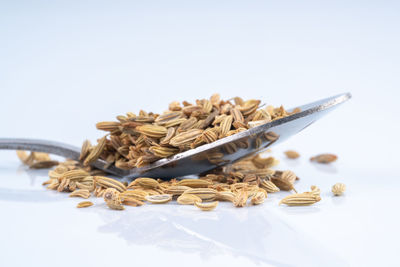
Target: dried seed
{"type": "Point", "coordinates": [152, 130]}
{"type": "Point", "coordinates": [106, 182]}
{"type": "Point", "coordinates": [74, 175]}
{"type": "Point", "coordinates": [136, 193]}
{"type": "Point", "coordinates": [301, 199]}
{"type": "Point", "coordinates": [159, 199]}
{"type": "Point", "coordinates": [163, 152]}
{"type": "Point", "coordinates": [291, 154]}
{"type": "Point", "coordinates": [206, 206]}
{"type": "Point", "coordinates": [226, 125]}
{"type": "Point", "coordinates": [112, 199]}
{"type": "Point", "coordinates": [241, 198]}
{"type": "Point", "coordinates": [315, 190]}
{"type": "Point", "coordinates": [176, 190]}
{"type": "Point", "coordinates": [194, 183]}
{"type": "Point", "coordinates": [145, 183]}
{"type": "Point", "coordinates": [130, 201]}
{"type": "Point", "coordinates": [206, 194]}
{"type": "Point", "coordinates": [85, 150]}
{"type": "Point", "coordinates": [188, 199]}
{"type": "Point", "coordinates": [84, 204]}
{"type": "Point", "coordinates": [44, 164]}
{"type": "Point", "coordinates": [185, 137]}
{"type": "Point", "coordinates": [237, 115]}
{"type": "Point", "coordinates": [64, 185]}
{"type": "Point", "coordinates": [108, 125]}
{"type": "Point", "coordinates": [96, 152]}
{"type": "Point", "coordinates": [225, 196]}
{"type": "Point", "coordinates": [258, 198]}
{"type": "Point", "coordinates": [84, 193]}
{"type": "Point", "coordinates": [338, 189]}
{"type": "Point", "coordinates": [168, 137]}
{"type": "Point", "coordinates": [324, 158]}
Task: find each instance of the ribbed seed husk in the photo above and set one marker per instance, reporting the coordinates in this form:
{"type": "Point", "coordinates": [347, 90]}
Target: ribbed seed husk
{"type": "Point", "coordinates": [194, 183]}
{"type": "Point", "coordinates": [206, 194]}
{"type": "Point", "coordinates": [106, 182]}
{"type": "Point", "coordinates": [188, 199]}
{"type": "Point", "coordinates": [301, 199]}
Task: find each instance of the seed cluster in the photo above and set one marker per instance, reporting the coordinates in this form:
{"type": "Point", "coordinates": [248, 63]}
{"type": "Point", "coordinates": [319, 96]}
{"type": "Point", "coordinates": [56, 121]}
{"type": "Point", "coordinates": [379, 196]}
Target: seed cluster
{"type": "Point", "coordinates": [247, 182]}
{"type": "Point", "coordinates": [135, 140]}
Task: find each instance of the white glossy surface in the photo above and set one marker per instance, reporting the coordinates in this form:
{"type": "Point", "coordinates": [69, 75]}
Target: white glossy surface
{"type": "Point", "coordinates": [355, 229]}
{"type": "Point", "coordinates": [65, 66]}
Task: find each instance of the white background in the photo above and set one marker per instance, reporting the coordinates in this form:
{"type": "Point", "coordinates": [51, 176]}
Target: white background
{"type": "Point", "coordinates": [64, 65]}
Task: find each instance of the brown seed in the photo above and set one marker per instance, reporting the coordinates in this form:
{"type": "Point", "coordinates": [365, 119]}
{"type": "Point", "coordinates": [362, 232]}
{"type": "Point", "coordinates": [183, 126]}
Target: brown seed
{"type": "Point", "coordinates": [206, 206]}
{"type": "Point", "coordinates": [85, 150]}
{"type": "Point", "coordinates": [45, 164]}
{"type": "Point", "coordinates": [152, 130]}
{"type": "Point", "coordinates": [226, 125]}
{"type": "Point", "coordinates": [96, 152]}
{"type": "Point", "coordinates": [194, 183]}
{"type": "Point", "coordinates": [112, 199]}
{"type": "Point", "coordinates": [291, 154]}
{"type": "Point", "coordinates": [269, 186]}
{"type": "Point", "coordinates": [324, 158]}
{"type": "Point", "coordinates": [108, 125]}
{"type": "Point", "coordinates": [84, 204]}
{"type": "Point", "coordinates": [185, 137]}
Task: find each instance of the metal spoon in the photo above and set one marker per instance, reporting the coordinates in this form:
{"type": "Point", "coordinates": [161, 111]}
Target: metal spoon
{"type": "Point", "coordinates": [205, 157]}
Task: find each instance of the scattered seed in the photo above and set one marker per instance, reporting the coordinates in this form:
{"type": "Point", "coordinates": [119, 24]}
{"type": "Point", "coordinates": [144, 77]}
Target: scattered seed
{"type": "Point", "coordinates": [206, 206]}
{"type": "Point", "coordinates": [338, 189]}
{"type": "Point", "coordinates": [291, 154]}
{"type": "Point", "coordinates": [84, 204]}
{"type": "Point", "coordinates": [324, 158]}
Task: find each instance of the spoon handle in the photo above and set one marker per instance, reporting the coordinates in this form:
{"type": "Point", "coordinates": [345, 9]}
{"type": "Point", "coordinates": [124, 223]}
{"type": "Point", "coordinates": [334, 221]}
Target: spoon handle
{"type": "Point", "coordinates": [38, 145]}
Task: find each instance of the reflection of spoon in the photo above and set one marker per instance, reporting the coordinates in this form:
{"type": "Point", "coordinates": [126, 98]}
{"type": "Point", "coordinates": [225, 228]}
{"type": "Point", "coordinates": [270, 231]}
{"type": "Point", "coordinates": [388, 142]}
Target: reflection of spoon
{"type": "Point", "coordinates": [328, 168]}
{"type": "Point", "coordinates": [256, 234]}
{"type": "Point", "coordinates": [205, 157]}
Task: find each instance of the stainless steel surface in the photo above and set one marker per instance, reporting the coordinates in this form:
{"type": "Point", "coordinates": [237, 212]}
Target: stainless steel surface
{"type": "Point", "coordinates": [205, 157]}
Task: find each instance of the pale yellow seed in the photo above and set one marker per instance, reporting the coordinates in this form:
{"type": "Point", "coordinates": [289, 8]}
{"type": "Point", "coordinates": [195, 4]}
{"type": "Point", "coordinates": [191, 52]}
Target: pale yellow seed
{"type": "Point", "coordinates": [291, 154]}
{"type": "Point", "coordinates": [159, 199]}
{"type": "Point", "coordinates": [84, 193]}
{"type": "Point", "coordinates": [301, 199]}
{"type": "Point", "coordinates": [84, 204]}
{"type": "Point", "coordinates": [338, 189]}
{"type": "Point", "coordinates": [188, 199]}
{"type": "Point", "coordinates": [206, 206]}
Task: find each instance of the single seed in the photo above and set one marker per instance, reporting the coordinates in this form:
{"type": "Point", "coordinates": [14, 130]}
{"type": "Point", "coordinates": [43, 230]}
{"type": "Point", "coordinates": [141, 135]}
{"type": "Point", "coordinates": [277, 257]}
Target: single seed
{"type": "Point", "coordinates": [338, 189]}
{"type": "Point", "coordinates": [84, 204]}
{"type": "Point", "coordinates": [324, 158]}
{"type": "Point", "coordinates": [159, 199]}
{"type": "Point", "coordinates": [206, 206]}
{"type": "Point", "coordinates": [291, 154]}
